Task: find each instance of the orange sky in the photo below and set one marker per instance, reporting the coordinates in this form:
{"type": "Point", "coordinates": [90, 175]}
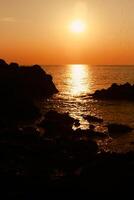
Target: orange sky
{"type": "Point", "coordinates": [37, 31]}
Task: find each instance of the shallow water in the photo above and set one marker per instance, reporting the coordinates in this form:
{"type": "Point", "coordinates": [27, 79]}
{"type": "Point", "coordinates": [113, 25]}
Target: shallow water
{"type": "Point", "coordinates": [76, 82]}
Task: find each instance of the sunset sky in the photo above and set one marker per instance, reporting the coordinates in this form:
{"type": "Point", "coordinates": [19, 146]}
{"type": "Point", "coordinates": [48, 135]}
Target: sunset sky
{"type": "Point", "coordinates": [39, 31]}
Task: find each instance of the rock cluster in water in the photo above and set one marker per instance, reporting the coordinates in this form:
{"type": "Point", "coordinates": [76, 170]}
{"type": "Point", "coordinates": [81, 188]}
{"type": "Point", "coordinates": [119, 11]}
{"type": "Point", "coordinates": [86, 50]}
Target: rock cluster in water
{"type": "Point", "coordinates": [116, 92]}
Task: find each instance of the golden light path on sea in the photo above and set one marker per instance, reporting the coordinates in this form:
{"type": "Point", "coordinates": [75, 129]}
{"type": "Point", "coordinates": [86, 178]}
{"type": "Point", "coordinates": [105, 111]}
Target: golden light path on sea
{"type": "Point", "coordinates": [79, 79]}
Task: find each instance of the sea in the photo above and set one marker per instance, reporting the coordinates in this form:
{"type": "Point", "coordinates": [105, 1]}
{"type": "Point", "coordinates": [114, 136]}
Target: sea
{"type": "Point", "coordinates": [75, 84]}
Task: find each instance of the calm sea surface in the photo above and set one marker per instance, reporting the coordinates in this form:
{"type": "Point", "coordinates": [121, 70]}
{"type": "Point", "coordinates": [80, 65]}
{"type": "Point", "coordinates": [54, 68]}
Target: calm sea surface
{"type": "Point", "coordinates": [76, 82]}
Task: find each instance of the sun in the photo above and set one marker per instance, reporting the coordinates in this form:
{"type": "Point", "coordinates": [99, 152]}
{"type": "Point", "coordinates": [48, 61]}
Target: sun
{"type": "Point", "coordinates": [77, 26]}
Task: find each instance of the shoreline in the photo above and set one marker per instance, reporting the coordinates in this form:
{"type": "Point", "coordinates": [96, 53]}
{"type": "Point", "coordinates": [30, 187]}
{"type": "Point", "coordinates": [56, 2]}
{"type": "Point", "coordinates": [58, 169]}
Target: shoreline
{"type": "Point", "coordinates": [52, 155]}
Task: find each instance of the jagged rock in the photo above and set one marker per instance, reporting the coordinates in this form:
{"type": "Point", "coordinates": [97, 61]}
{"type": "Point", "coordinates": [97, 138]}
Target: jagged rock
{"type": "Point", "coordinates": [20, 87]}
{"type": "Point", "coordinates": [117, 92]}
{"type": "Point", "coordinates": [58, 123]}
{"type": "Point", "coordinates": [35, 82]}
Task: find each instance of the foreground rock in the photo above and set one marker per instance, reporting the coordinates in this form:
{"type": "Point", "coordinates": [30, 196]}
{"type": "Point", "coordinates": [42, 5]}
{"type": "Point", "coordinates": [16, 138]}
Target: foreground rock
{"type": "Point", "coordinates": [26, 153]}
{"type": "Point", "coordinates": [33, 165]}
{"type": "Point", "coordinates": [20, 87]}
{"type": "Point", "coordinates": [59, 163]}
{"type": "Point", "coordinates": [117, 129]}
{"type": "Point", "coordinates": [116, 92]}
{"type": "Point", "coordinates": [60, 125]}
{"type": "Point", "coordinates": [56, 123]}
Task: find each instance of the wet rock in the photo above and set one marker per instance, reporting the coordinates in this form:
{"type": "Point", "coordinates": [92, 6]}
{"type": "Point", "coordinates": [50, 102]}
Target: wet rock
{"type": "Point", "coordinates": [76, 123]}
{"type": "Point", "coordinates": [89, 134]}
{"type": "Point", "coordinates": [116, 92]}
{"type": "Point", "coordinates": [58, 123]}
{"type": "Point", "coordinates": [96, 134]}
{"type": "Point", "coordinates": [91, 118]}
{"type": "Point", "coordinates": [118, 129]}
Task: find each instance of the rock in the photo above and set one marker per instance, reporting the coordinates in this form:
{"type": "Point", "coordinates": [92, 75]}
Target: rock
{"type": "Point", "coordinates": [96, 134]}
{"type": "Point", "coordinates": [3, 64]}
{"type": "Point", "coordinates": [20, 87]}
{"type": "Point", "coordinates": [57, 123]}
{"type": "Point", "coordinates": [116, 92]}
{"type": "Point", "coordinates": [91, 118]}
{"type": "Point", "coordinates": [88, 134]}
{"type": "Point", "coordinates": [26, 80]}
{"type": "Point", "coordinates": [77, 123]}
{"type": "Point", "coordinates": [36, 82]}
{"type": "Point", "coordinates": [118, 129]}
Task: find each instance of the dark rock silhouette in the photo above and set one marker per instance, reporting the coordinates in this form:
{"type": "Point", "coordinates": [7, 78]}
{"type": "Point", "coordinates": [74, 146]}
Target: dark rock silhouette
{"type": "Point", "coordinates": [116, 92]}
{"type": "Point", "coordinates": [36, 82]}
{"type": "Point", "coordinates": [91, 118]}
{"type": "Point", "coordinates": [56, 123]}
{"type": "Point", "coordinates": [20, 87]}
{"type": "Point", "coordinates": [115, 129]}
{"type": "Point", "coordinates": [89, 134]}
{"type": "Point", "coordinates": [59, 163]}
{"type": "Point", "coordinates": [3, 64]}
{"type": "Point", "coordinates": [60, 125]}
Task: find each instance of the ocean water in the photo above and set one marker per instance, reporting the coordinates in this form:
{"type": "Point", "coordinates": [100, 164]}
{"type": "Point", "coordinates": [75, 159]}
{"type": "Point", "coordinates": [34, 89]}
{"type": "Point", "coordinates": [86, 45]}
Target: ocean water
{"type": "Point", "coordinates": [76, 82]}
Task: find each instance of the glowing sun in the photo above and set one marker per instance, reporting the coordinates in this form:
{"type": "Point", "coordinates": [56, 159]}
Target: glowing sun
{"type": "Point", "coordinates": [77, 26]}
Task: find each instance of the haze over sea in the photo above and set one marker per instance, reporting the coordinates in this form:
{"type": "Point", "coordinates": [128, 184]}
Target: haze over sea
{"type": "Point", "coordinates": [76, 82]}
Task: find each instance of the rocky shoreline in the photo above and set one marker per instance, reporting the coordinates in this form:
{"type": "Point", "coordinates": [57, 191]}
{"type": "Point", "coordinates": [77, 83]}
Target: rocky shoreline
{"type": "Point", "coordinates": [52, 156]}
{"type": "Point", "coordinates": [116, 92]}
{"type": "Point", "coordinates": [61, 159]}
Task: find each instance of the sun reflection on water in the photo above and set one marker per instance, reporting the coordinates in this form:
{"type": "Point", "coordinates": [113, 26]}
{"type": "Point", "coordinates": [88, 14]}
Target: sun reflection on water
{"type": "Point", "coordinates": [79, 79]}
